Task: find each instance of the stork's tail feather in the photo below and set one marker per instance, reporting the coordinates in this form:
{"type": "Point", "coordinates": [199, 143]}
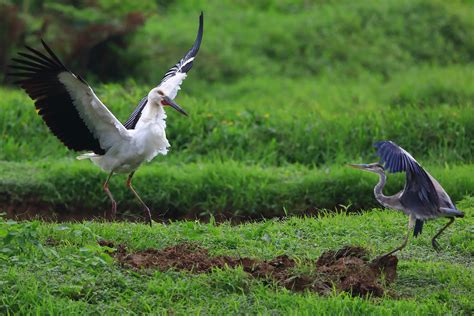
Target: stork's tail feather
{"type": "Point", "coordinates": [418, 227]}
{"type": "Point", "coordinates": [87, 156]}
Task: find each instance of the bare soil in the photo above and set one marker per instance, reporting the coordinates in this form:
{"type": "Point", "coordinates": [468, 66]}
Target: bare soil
{"type": "Point", "coordinates": [347, 269]}
{"type": "Point", "coordinates": [34, 209]}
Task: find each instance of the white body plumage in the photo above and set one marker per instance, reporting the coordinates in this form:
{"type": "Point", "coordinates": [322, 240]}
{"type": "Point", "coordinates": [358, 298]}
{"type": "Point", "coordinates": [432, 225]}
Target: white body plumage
{"type": "Point", "coordinates": [73, 113]}
{"type": "Point", "coordinates": [139, 145]}
{"type": "Point", "coordinates": [134, 146]}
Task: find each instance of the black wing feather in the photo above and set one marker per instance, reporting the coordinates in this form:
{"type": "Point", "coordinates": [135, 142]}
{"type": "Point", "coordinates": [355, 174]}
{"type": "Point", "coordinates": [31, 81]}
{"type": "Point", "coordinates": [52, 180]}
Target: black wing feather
{"type": "Point", "coordinates": [135, 116]}
{"type": "Point", "coordinates": [419, 194]}
{"type": "Point", "coordinates": [38, 75]}
{"type": "Point", "coordinates": [183, 66]}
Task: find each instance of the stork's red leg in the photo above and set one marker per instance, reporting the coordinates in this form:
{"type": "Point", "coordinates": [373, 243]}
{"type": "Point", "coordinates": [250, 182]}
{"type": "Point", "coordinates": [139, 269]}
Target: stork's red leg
{"type": "Point", "coordinates": [129, 185]}
{"type": "Point", "coordinates": [114, 204]}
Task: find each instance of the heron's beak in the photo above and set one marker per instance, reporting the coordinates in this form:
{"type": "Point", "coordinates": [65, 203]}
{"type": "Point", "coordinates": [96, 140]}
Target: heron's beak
{"type": "Point", "coordinates": [359, 166]}
{"type": "Point", "coordinates": [168, 101]}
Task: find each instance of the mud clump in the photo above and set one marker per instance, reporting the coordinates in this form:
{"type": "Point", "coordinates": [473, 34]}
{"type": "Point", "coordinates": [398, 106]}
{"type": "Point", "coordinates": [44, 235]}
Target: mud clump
{"type": "Point", "coordinates": [188, 257]}
{"type": "Point", "coordinates": [347, 269]}
{"type": "Point", "coordinates": [350, 270]}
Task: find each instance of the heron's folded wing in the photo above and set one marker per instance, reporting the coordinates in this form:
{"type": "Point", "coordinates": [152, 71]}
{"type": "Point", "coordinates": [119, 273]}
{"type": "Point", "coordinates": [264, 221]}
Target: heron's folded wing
{"type": "Point", "coordinates": [67, 103]}
{"type": "Point", "coordinates": [419, 194]}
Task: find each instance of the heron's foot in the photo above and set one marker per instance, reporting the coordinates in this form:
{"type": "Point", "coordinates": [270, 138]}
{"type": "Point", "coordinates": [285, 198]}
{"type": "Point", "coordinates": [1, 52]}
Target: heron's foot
{"type": "Point", "coordinates": [148, 215]}
{"type": "Point", "coordinates": [382, 257]}
{"type": "Point", "coordinates": [379, 258]}
{"type": "Point", "coordinates": [436, 245]}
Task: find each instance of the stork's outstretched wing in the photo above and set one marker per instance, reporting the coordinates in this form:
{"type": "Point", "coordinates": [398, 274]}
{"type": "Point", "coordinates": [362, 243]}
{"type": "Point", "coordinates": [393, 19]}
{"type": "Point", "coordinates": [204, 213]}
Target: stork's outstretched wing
{"type": "Point", "coordinates": [171, 82]}
{"type": "Point", "coordinates": [135, 116]}
{"type": "Point", "coordinates": [419, 194]}
{"type": "Point", "coordinates": [67, 103]}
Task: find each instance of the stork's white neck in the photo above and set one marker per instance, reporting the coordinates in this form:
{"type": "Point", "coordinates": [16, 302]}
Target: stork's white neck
{"type": "Point", "coordinates": [152, 113]}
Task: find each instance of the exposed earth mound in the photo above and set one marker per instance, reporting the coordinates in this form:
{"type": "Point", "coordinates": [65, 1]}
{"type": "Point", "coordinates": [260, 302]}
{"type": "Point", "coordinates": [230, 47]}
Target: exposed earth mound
{"type": "Point", "coordinates": [347, 269]}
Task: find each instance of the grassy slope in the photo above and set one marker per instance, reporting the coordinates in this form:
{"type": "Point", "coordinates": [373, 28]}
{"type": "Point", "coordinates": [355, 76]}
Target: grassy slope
{"type": "Point", "coordinates": [198, 189]}
{"type": "Point", "coordinates": [316, 86]}
{"type": "Point", "coordinates": [322, 84]}
{"type": "Point", "coordinates": [357, 74]}
{"type": "Point", "coordinates": [315, 123]}
{"type": "Point", "coordinates": [75, 277]}
{"type": "Point", "coordinates": [306, 39]}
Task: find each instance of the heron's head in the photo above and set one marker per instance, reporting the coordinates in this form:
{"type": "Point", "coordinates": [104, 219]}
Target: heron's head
{"type": "Point", "coordinates": [371, 167]}
{"type": "Point", "coordinates": [159, 98]}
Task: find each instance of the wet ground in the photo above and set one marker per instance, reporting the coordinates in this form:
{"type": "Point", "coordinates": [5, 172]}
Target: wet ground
{"type": "Point", "coordinates": [347, 269]}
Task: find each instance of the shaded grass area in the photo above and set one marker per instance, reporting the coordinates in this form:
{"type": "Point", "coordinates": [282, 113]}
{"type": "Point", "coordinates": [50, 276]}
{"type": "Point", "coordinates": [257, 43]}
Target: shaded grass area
{"type": "Point", "coordinates": [302, 38]}
{"type": "Point", "coordinates": [73, 274]}
{"type": "Point", "coordinates": [224, 189]}
{"type": "Point", "coordinates": [277, 37]}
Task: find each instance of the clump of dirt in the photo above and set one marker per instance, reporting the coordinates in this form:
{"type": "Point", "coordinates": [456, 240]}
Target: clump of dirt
{"type": "Point", "coordinates": [350, 270]}
{"type": "Point", "coordinates": [347, 269]}
{"type": "Point", "coordinates": [106, 243]}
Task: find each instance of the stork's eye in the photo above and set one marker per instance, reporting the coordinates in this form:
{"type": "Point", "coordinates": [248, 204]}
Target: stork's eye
{"type": "Point", "coordinates": [160, 92]}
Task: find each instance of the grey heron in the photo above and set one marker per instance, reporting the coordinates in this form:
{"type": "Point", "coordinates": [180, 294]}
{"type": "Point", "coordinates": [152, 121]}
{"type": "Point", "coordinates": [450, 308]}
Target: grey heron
{"type": "Point", "coordinates": [77, 117]}
{"type": "Point", "coordinates": [421, 199]}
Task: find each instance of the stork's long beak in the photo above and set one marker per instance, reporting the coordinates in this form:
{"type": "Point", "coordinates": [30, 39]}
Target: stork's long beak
{"type": "Point", "coordinates": [359, 166]}
{"type": "Point", "coordinates": [167, 100]}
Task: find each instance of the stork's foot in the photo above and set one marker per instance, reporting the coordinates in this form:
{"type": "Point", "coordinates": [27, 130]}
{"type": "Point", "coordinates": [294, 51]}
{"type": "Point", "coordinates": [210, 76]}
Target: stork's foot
{"type": "Point", "coordinates": [113, 212]}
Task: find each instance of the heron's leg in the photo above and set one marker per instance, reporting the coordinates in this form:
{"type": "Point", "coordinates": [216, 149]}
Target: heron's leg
{"type": "Point", "coordinates": [411, 223]}
{"type": "Point", "coordinates": [129, 184]}
{"type": "Point", "coordinates": [106, 189]}
{"type": "Point", "coordinates": [433, 240]}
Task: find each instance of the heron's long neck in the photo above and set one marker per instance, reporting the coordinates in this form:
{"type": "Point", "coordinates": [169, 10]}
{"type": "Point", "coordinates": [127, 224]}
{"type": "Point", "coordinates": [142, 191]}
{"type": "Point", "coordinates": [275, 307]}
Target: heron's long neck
{"type": "Point", "coordinates": [383, 199]}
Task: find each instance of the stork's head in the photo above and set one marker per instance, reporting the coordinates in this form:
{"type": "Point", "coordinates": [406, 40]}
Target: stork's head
{"type": "Point", "coordinates": [371, 167]}
{"type": "Point", "coordinates": [159, 98]}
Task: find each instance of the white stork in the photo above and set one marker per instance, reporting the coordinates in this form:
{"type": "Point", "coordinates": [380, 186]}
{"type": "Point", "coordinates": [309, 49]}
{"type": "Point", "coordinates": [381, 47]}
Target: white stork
{"type": "Point", "coordinates": [73, 113]}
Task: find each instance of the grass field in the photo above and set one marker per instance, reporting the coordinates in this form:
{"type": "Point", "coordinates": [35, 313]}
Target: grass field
{"type": "Point", "coordinates": [196, 190]}
{"type": "Point", "coordinates": [282, 96]}
{"type": "Point", "coordinates": [75, 276]}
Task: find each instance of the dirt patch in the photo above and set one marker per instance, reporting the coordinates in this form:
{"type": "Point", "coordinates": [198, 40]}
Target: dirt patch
{"type": "Point", "coordinates": [31, 208]}
{"type": "Point", "coordinates": [347, 269]}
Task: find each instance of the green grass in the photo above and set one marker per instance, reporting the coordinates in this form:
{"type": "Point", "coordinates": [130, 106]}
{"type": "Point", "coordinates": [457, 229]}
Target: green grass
{"type": "Point", "coordinates": [282, 95]}
{"type": "Point", "coordinates": [285, 82]}
{"type": "Point", "coordinates": [300, 38]}
{"type": "Point", "coordinates": [76, 277]}
{"type": "Point", "coordinates": [312, 124]}
{"type": "Point", "coordinates": [228, 189]}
